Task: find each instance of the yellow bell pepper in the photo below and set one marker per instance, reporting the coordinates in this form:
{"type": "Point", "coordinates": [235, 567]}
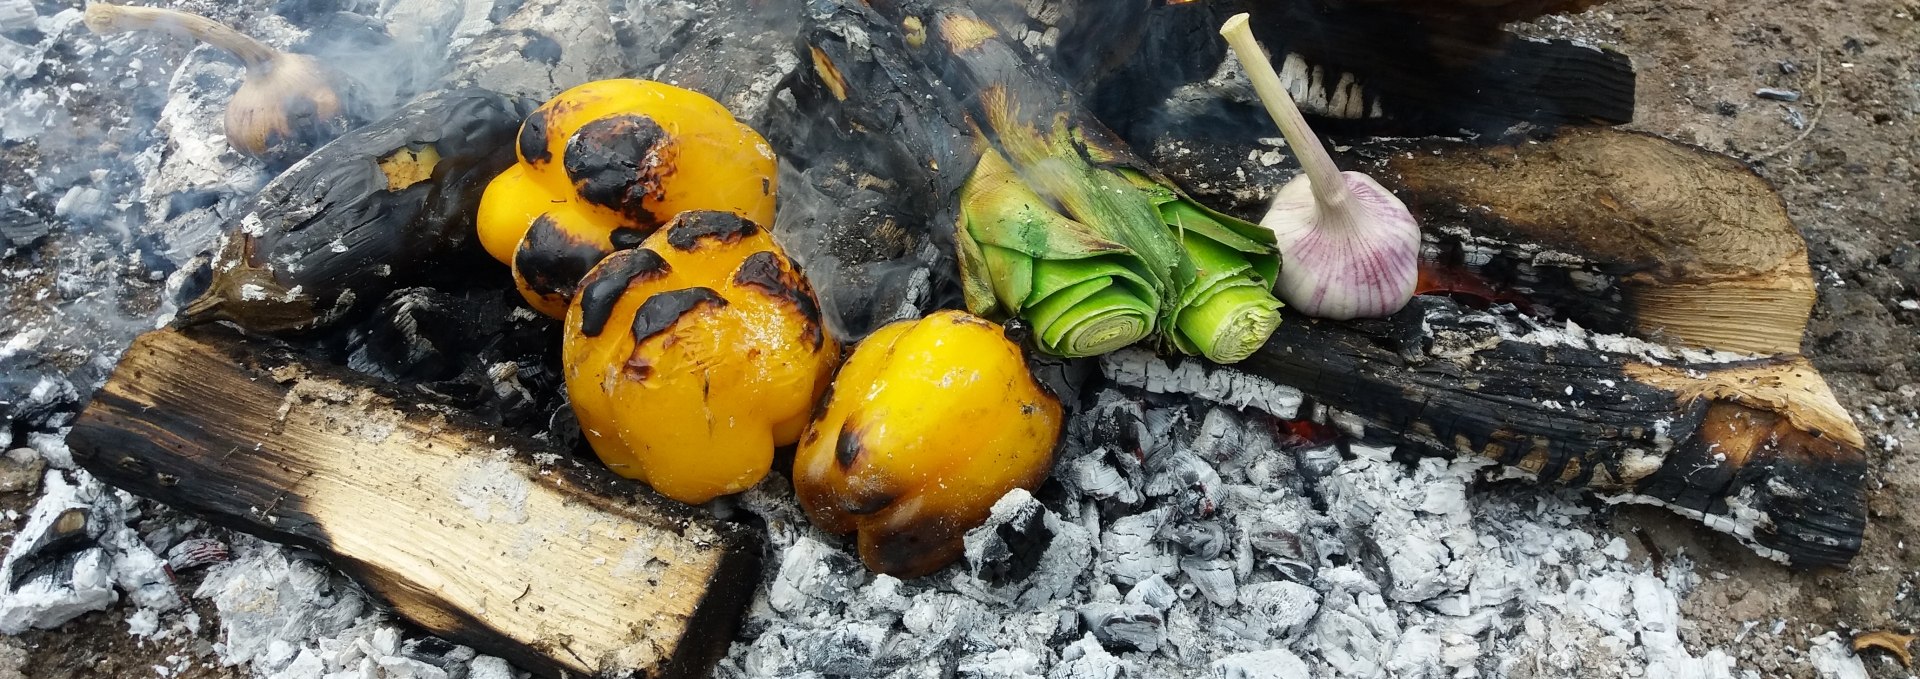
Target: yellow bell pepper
{"type": "Point", "coordinates": [927, 425]}
{"type": "Point", "coordinates": [689, 358]}
{"type": "Point", "coordinates": [606, 163]}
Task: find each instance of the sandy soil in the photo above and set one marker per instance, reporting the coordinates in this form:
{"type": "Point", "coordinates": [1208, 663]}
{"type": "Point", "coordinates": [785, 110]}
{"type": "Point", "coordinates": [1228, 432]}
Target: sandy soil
{"type": "Point", "coordinates": [1843, 155]}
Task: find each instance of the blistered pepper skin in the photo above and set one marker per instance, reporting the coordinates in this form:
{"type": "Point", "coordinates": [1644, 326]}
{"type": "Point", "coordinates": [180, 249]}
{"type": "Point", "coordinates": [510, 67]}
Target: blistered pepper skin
{"type": "Point", "coordinates": [605, 164]}
{"type": "Point", "coordinates": [690, 357]}
{"type": "Point", "coordinates": [927, 424]}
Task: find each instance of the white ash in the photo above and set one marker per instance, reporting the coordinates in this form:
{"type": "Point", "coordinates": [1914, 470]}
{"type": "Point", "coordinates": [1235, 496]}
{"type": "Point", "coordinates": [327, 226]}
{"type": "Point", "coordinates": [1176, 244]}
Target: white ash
{"type": "Point", "coordinates": [1143, 369]}
{"type": "Point", "coordinates": [1223, 553]}
{"type": "Point", "coordinates": [1833, 660]}
{"type": "Point", "coordinates": [76, 553]}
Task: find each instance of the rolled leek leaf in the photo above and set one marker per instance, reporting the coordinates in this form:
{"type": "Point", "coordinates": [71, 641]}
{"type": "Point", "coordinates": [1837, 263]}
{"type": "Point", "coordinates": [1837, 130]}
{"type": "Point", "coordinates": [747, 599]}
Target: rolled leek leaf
{"type": "Point", "coordinates": [1083, 293]}
{"type": "Point", "coordinates": [1064, 226]}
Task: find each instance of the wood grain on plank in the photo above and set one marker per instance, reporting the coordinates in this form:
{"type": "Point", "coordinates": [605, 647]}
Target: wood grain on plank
{"type": "Point", "coordinates": [476, 535]}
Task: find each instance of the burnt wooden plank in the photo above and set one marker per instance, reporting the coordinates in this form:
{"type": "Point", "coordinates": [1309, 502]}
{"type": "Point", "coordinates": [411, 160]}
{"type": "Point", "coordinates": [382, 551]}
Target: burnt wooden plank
{"type": "Point", "coordinates": [475, 534]}
{"type": "Point", "coordinates": [1758, 448]}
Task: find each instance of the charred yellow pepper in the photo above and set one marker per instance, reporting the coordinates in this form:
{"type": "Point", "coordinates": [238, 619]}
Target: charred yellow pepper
{"type": "Point", "coordinates": [606, 163]}
{"type": "Point", "coordinates": [690, 357]}
{"type": "Point", "coordinates": [927, 425]}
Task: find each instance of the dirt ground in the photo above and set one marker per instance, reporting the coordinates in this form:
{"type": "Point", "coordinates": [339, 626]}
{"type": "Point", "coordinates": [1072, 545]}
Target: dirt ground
{"type": "Point", "coordinates": [1844, 158]}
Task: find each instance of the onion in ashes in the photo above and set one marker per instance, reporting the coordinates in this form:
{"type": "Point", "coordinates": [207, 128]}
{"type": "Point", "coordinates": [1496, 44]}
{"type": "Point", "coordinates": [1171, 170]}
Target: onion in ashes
{"type": "Point", "coordinates": [1348, 247]}
{"type": "Point", "coordinates": [288, 105]}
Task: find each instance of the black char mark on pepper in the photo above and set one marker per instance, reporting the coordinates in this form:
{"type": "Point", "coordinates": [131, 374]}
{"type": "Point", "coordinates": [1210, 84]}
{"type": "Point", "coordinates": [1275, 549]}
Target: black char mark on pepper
{"type": "Point", "coordinates": [847, 449]}
{"type": "Point", "coordinates": [625, 238]}
{"type": "Point", "coordinates": [603, 288]}
{"type": "Point", "coordinates": [617, 162]}
{"type": "Point", "coordinates": [662, 310]}
{"type": "Point", "coordinates": [762, 271]}
{"type": "Point", "coordinates": [690, 228]}
{"type": "Point", "coordinates": [533, 137]}
{"type": "Point", "coordinates": [552, 260]}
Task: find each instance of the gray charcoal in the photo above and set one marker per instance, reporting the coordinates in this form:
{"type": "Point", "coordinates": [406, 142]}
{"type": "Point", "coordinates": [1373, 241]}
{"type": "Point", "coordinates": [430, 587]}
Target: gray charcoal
{"type": "Point", "coordinates": [1143, 370]}
{"type": "Point", "coordinates": [1278, 609]}
{"type": "Point", "coordinates": [1125, 626]}
{"type": "Point", "coordinates": [937, 618]}
{"type": "Point", "coordinates": [1091, 475]}
{"type": "Point", "coordinates": [812, 574]}
{"type": "Point", "coordinates": [20, 471]}
{"type": "Point", "coordinates": [1777, 94]}
{"type": "Point", "coordinates": [1153, 592]}
{"type": "Point", "coordinates": [1204, 540]}
{"type": "Point", "coordinates": [1213, 578]}
{"type": "Point", "coordinates": [17, 14]}
{"type": "Point", "coordinates": [1273, 663]}
{"type": "Point", "coordinates": [1189, 484]}
{"type": "Point", "coordinates": [1219, 440]}
{"type": "Point", "coordinates": [1134, 550]}
{"type": "Point", "coordinates": [569, 43]}
{"type": "Point", "coordinates": [1087, 659]}
{"type": "Point", "coordinates": [1025, 553]}
{"type": "Point", "coordinates": [1318, 461]}
{"type": "Point", "coordinates": [845, 649]}
{"type": "Point", "coordinates": [1006, 663]}
{"type": "Point", "coordinates": [196, 553]}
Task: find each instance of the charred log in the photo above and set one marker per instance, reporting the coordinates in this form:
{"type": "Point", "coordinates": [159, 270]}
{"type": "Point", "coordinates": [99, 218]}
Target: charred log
{"type": "Point", "coordinates": [1621, 231]}
{"type": "Point", "coordinates": [1393, 67]}
{"type": "Point", "coordinates": [477, 535]}
{"type": "Point", "coordinates": [1758, 448]}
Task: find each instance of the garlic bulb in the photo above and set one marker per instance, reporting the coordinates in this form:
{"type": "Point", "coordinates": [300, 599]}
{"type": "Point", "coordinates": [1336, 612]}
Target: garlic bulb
{"type": "Point", "coordinates": [288, 105]}
{"type": "Point", "coordinates": [1348, 247]}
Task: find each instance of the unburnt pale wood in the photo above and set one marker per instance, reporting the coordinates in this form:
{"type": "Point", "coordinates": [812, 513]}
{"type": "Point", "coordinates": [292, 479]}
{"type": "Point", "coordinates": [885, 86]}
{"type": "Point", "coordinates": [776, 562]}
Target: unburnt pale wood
{"type": "Point", "coordinates": [1700, 247]}
{"type": "Point", "coordinates": [476, 535]}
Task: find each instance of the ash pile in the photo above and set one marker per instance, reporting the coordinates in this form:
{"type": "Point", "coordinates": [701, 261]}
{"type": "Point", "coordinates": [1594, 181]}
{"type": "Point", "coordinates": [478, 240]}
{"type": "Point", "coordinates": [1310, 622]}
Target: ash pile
{"type": "Point", "coordinates": [1185, 538]}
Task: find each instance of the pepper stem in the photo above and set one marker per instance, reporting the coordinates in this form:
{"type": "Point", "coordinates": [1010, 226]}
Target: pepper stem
{"type": "Point", "coordinates": [103, 18]}
{"type": "Point", "coordinates": [1322, 174]}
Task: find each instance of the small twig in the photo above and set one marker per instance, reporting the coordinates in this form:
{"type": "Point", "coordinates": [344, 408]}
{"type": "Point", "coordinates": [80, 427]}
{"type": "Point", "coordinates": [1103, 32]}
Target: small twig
{"type": "Point", "coordinates": [1815, 96]}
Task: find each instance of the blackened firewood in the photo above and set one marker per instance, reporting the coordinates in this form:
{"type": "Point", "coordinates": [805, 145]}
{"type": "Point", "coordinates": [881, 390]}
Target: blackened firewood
{"type": "Point", "coordinates": [476, 535]}
{"type": "Point", "coordinates": [1758, 448]}
{"type": "Point", "coordinates": [362, 215]}
{"type": "Point", "coordinates": [873, 158]}
{"type": "Point", "coordinates": [1387, 67]}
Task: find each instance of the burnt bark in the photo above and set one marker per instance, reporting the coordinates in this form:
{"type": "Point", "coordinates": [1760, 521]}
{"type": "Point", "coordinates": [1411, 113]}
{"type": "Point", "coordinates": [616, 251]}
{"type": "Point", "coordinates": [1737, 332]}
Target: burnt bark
{"type": "Point", "coordinates": [476, 534]}
{"type": "Point", "coordinates": [1754, 447]}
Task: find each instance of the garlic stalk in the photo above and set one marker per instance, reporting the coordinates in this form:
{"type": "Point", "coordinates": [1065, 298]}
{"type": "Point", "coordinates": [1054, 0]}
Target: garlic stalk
{"type": "Point", "coordinates": [1348, 247]}
{"type": "Point", "coordinates": [288, 105]}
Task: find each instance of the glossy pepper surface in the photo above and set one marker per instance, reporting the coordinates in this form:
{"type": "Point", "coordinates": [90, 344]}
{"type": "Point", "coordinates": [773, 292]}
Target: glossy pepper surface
{"type": "Point", "coordinates": [690, 357]}
{"type": "Point", "coordinates": [927, 425]}
{"type": "Point", "coordinates": [605, 164]}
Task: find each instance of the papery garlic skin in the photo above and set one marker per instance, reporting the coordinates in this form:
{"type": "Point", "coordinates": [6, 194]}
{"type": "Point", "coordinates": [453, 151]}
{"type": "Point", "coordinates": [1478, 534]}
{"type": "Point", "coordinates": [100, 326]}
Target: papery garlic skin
{"type": "Point", "coordinates": [1356, 257]}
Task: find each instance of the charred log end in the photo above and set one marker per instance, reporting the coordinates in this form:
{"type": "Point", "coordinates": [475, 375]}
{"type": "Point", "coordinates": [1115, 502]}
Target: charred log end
{"type": "Point", "coordinates": [1705, 252]}
{"type": "Point", "coordinates": [1763, 314]}
{"type": "Point", "coordinates": [1775, 461]}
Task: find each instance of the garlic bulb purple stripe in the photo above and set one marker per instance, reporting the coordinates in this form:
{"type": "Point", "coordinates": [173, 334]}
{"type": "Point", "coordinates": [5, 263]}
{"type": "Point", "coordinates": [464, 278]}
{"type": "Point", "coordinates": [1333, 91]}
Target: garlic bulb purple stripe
{"type": "Point", "coordinates": [1358, 258]}
{"type": "Point", "coordinates": [1348, 247]}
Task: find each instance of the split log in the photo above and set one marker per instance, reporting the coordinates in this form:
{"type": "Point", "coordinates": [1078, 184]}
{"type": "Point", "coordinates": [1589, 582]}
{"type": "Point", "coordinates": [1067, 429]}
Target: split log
{"type": "Point", "coordinates": [476, 535]}
{"type": "Point", "coordinates": [1687, 246]}
{"type": "Point", "coordinates": [1752, 445]}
